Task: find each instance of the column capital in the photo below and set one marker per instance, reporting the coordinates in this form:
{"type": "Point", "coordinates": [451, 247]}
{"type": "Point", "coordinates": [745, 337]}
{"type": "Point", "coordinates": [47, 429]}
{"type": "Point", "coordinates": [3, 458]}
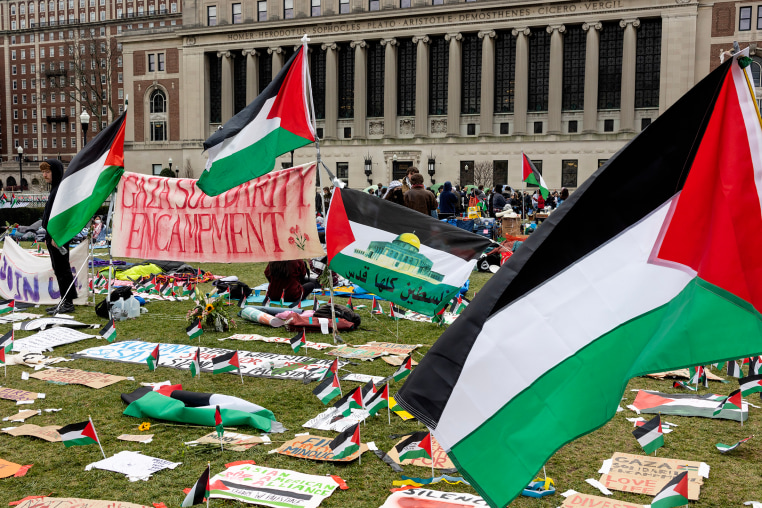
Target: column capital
{"type": "Point", "coordinates": [275, 51]}
{"type": "Point", "coordinates": [249, 52]}
{"type": "Point", "coordinates": [421, 38]}
{"type": "Point", "coordinates": [521, 30]}
{"type": "Point", "coordinates": [491, 34]}
{"type": "Point", "coordinates": [552, 28]}
{"type": "Point", "coordinates": [390, 42]}
{"type": "Point", "coordinates": [329, 45]}
{"type": "Point", "coordinates": [226, 54]}
{"type": "Point", "coordinates": [456, 36]}
{"type": "Point", "coordinates": [635, 22]}
{"type": "Point", "coordinates": [355, 44]}
{"type": "Point", "coordinates": [595, 25]}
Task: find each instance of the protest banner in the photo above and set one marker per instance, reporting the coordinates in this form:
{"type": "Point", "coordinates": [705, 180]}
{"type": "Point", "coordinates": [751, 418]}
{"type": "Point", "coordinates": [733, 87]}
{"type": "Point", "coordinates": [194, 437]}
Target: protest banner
{"type": "Point", "coordinates": [80, 377]}
{"type": "Point", "coordinates": [180, 356]}
{"type": "Point", "coordinates": [315, 448]}
{"type": "Point", "coordinates": [578, 500]}
{"type": "Point", "coordinates": [49, 433]}
{"type": "Point", "coordinates": [19, 395]}
{"type": "Point", "coordinates": [70, 502]}
{"type": "Point", "coordinates": [46, 340]}
{"type": "Point", "coordinates": [648, 475]}
{"type": "Point", "coordinates": [233, 440]}
{"type": "Point", "coordinates": [271, 218]}
{"type": "Point", "coordinates": [28, 278]}
{"type": "Point", "coordinates": [271, 487]}
{"type": "Point", "coordinates": [279, 340]}
{"type": "Point", "coordinates": [390, 348]}
{"type": "Point", "coordinates": [412, 498]}
{"type": "Point", "coordinates": [134, 465]}
{"type": "Point", "coordinates": [441, 460]}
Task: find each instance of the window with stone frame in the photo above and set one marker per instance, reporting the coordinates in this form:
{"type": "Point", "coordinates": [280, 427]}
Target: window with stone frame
{"type": "Point", "coordinates": [239, 83]}
{"type": "Point", "coordinates": [215, 88]}
{"type": "Point", "coordinates": [471, 74]}
{"type": "Point", "coordinates": [346, 57]}
{"type": "Point", "coordinates": [648, 63]}
{"type": "Point", "coordinates": [406, 56]}
{"type": "Point", "coordinates": [265, 69]}
{"type": "Point", "coordinates": [439, 62]}
{"type": "Point", "coordinates": [539, 70]}
{"type": "Point", "coordinates": [211, 15]}
{"type": "Point", "coordinates": [573, 89]}
{"type": "Point", "coordinates": [569, 170]}
{"type": "Point", "coordinates": [318, 77]}
{"type": "Point", "coordinates": [505, 71]}
{"type": "Point", "coordinates": [375, 79]}
{"type": "Point", "coordinates": [610, 65]}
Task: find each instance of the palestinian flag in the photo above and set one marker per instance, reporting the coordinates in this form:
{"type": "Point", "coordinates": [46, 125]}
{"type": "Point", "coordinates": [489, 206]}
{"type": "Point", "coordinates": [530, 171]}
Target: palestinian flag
{"type": "Point", "coordinates": [379, 401]}
{"type": "Point", "coordinates": [6, 342]}
{"type": "Point", "coordinates": [751, 384]}
{"type": "Point", "coordinates": [346, 443]}
{"type": "Point", "coordinates": [368, 391]}
{"type": "Point", "coordinates": [675, 493]}
{"type": "Point", "coordinates": [402, 256]}
{"type": "Point", "coordinates": [697, 375]}
{"type": "Point", "coordinates": [650, 435]}
{"type": "Point", "coordinates": [276, 122]}
{"type": "Point", "coordinates": [394, 312]}
{"type": "Point", "coordinates": [416, 445]}
{"type": "Point", "coordinates": [733, 401]}
{"type": "Point", "coordinates": [297, 341]}
{"type": "Point", "coordinates": [153, 359]}
{"type": "Point", "coordinates": [673, 268]}
{"type": "Point", "coordinates": [78, 434]}
{"type": "Point", "coordinates": [148, 287]}
{"type": "Point", "coordinates": [14, 200]}
{"type": "Point", "coordinates": [333, 369]}
{"type": "Point", "coordinates": [404, 369]}
{"type": "Point", "coordinates": [195, 365]}
{"type": "Point", "coordinates": [199, 492]}
{"type": "Point", "coordinates": [685, 404]}
{"type": "Point", "coordinates": [733, 369]}
{"type": "Point", "coordinates": [195, 329]}
{"type": "Point", "coordinates": [91, 176]}
{"type": "Point", "coordinates": [680, 384]}
{"type": "Point", "coordinates": [376, 307]}
{"type": "Point", "coordinates": [328, 389]}
{"type": "Point", "coordinates": [349, 303]}
{"type": "Point", "coordinates": [723, 448]}
{"type": "Point", "coordinates": [755, 365]}
{"type": "Point", "coordinates": [218, 422]}
{"type": "Point", "coordinates": [109, 331]}
{"type": "Point", "coordinates": [242, 302]}
{"type": "Point", "coordinates": [3, 199]}
{"type": "Point", "coordinates": [315, 303]}
{"type": "Point", "coordinates": [7, 306]}
{"type": "Point", "coordinates": [266, 301]}
{"type": "Point", "coordinates": [194, 408]}
{"type": "Point", "coordinates": [351, 400]}
{"type": "Point", "coordinates": [167, 289]}
{"type": "Point", "coordinates": [532, 176]}
{"type": "Point", "coordinates": [225, 363]}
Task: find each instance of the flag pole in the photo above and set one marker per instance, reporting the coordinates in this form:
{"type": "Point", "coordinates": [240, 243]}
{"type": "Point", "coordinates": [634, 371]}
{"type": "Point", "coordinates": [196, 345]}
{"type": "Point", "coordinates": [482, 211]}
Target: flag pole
{"type": "Point", "coordinates": [208, 474]}
{"type": "Point", "coordinates": [96, 436]}
{"type": "Point", "coordinates": [359, 448]}
{"type": "Point", "coordinates": [109, 218]}
{"type": "Point", "coordinates": [239, 365]}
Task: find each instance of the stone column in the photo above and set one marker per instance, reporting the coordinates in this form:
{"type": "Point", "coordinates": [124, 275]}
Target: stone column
{"type": "Point", "coordinates": [227, 94]}
{"type": "Point", "coordinates": [390, 88]}
{"type": "Point", "coordinates": [331, 89]}
{"type": "Point", "coordinates": [422, 86]}
{"type": "Point", "coordinates": [252, 74]}
{"type": "Point", "coordinates": [454, 84]}
{"type": "Point", "coordinates": [592, 44]}
{"type": "Point", "coordinates": [278, 62]}
{"type": "Point", "coordinates": [556, 78]}
{"type": "Point", "coordinates": [627, 101]}
{"type": "Point", "coordinates": [521, 93]}
{"type": "Point", "coordinates": [361, 87]}
{"type": "Point", "coordinates": [488, 83]}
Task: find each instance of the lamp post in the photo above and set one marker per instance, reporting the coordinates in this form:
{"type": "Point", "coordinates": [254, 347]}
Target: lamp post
{"type": "Point", "coordinates": [432, 168]}
{"type": "Point", "coordinates": [21, 176]}
{"type": "Point", "coordinates": [369, 169]}
{"type": "Point", "coordinates": [84, 119]}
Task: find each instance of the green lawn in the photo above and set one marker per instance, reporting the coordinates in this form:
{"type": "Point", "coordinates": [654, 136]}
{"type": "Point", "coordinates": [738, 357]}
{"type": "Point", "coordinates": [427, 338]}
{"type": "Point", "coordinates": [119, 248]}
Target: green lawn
{"type": "Point", "coordinates": [734, 477]}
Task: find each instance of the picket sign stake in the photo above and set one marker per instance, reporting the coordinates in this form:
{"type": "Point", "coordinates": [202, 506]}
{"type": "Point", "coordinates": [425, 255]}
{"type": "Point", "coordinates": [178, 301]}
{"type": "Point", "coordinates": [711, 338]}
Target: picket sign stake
{"type": "Point", "coordinates": [109, 219]}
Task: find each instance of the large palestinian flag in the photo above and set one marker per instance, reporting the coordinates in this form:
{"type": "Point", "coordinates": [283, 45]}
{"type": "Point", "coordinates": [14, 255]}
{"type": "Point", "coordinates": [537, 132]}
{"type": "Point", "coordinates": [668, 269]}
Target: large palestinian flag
{"type": "Point", "coordinates": [397, 253]}
{"type": "Point", "coordinates": [91, 176]}
{"type": "Point", "coordinates": [195, 408]}
{"type": "Point", "coordinates": [532, 176]}
{"type": "Point", "coordinates": [276, 122]}
{"type": "Point", "coordinates": [687, 404]}
{"type": "Point", "coordinates": [649, 288]}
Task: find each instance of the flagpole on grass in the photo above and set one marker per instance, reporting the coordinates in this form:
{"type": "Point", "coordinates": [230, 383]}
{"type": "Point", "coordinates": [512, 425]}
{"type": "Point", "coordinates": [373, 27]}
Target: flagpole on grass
{"type": "Point", "coordinates": [239, 366]}
{"type": "Point", "coordinates": [96, 436]}
{"type": "Point", "coordinates": [359, 442]}
{"type": "Point", "coordinates": [208, 475]}
{"type": "Point", "coordinates": [109, 218]}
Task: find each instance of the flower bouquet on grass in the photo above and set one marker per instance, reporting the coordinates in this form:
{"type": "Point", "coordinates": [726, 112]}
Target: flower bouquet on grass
{"type": "Point", "coordinates": [212, 312]}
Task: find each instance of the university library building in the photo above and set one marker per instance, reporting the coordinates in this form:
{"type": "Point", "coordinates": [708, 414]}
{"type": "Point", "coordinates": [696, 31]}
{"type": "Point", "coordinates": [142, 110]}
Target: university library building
{"type": "Point", "coordinates": [458, 88]}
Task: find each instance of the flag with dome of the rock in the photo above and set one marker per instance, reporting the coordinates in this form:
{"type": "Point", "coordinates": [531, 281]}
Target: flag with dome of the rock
{"type": "Point", "coordinates": [401, 255]}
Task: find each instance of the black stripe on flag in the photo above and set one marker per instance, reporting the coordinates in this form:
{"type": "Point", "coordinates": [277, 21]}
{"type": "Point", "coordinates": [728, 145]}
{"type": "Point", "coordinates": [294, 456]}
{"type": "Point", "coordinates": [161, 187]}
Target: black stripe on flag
{"type": "Point", "coordinates": [95, 149]}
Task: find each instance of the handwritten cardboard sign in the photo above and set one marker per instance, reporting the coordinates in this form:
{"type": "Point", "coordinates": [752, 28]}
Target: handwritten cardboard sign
{"type": "Point", "coordinates": [354, 353]}
{"type": "Point", "coordinates": [134, 465]}
{"type": "Point", "coordinates": [136, 438]}
{"type": "Point", "coordinates": [441, 460]}
{"type": "Point", "coordinates": [315, 448]}
{"type": "Point", "coordinates": [22, 415]}
{"type": "Point", "coordinates": [80, 377]}
{"type": "Point", "coordinates": [578, 500]}
{"type": "Point", "coordinates": [271, 218]}
{"type": "Point", "coordinates": [331, 419]}
{"type": "Point", "coordinates": [648, 475]}
{"type": "Point", "coordinates": [49, 433]}
{"type": "Point", "coordinates": [425, 498]}
{"type": "Point", "coordinates": [279, 340]}
{"type": "Point", "coordinates": [46, 340]}
{"type": "Point", "coordinates": [390, 348]}
{"type": "Point", "coordinates": [8, 468]}
{"type": "Point", "coordinates": [17, 395]}
{"type": "Point", "coordinates": [70, 502]}
{"type": "Point", "coordinates": [232, 440]}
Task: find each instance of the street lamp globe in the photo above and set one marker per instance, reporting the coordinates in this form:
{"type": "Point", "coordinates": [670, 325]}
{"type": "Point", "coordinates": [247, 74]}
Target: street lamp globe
{"type": "Point", "coordinates": [84, 119]}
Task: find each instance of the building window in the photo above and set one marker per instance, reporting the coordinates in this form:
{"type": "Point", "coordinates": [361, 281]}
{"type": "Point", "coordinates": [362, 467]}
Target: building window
{"type": "Point", "coordinates": [342, 172]}
{"type": "Point", "coordinates": [346, 81]}
{"type": "Point", "coordinates": [572, 126]}
{"type": "Point", "coordinates": [262, 10]}
{"type": "Point", "coordinates": [211, 15]}
{"type": "Point", "coordinates": [239, 84]}
{"type": "Point", "coordinates": [610, 66]}
{"type": "Point", "coordinates": [288, 9]}
{"type": "Point", "coordinates": [644, 122]}
{"type": "Point", "coordinates": [759, 17]}
{"type": "Point", "coordinates": [347, 132]}
{"type": "Point", "coordinates": [374, 5]}
{"type": "Point", "coordinates": [569, 173]}
{"type": "Point", "coordinates": [151, 62]}
{"type": "Point", "coordinates": [215, 88]}
{"type": "Point", "coordinates": [505, 128]}
{"type": "Point", "coordinates": [608, 125]}
{"type": "Point", "coordinates": [160, 62]}
{"type": "Point", "coordinates": [317, 73]}
{"type": "Point", "coordinates": [404, 4]}
{"type": "Point", "coordinates": [648, 64]}
{"type": "Point", "coordinates": [237, 14]}
{"type": "Point", "coordinates": [265, 70]}
{"type": "Point", "coordinates": [406, 78]}
{"type": "Point", "coordinates": [343, 6]}
{"type": "Point", "coordinates": [505, 64]}
{"type": "Point", "coordinates": [439, 61]}
{"type": "Point", "coordinates": [375, 79]}
{"type": "Point", "coordinates": [539, 55]}
{"type": "Point", "coordinates": [470, 97]}
{"type": "Point", "coordinates": [499, 173]}
{"type": "Point", "coordinates": [315, 11]}
{"type": "Point", "coordinates": [538, 127]}
{"type": "Point", "coordinates": [437, 2]}
{"type": "Point", "coordinates": [573, 95]}
{"type": "Point", "coordinates": [744, 19]}
{"type": "Point", "coordinates": [158, 110]}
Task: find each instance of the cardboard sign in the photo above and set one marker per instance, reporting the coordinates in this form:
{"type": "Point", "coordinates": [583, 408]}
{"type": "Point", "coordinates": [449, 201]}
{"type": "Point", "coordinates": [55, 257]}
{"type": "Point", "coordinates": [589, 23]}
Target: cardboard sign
{"type": "Point", "coordinates": [363, 378]}
{"type": "Point", "coordinates": [18, 395]}
{"type": "Point", "coordinates": [397, 360]}
{"type": "Point", "coordinates": [316, 448]}
{"type": "Point", "coordinates": [271, 218]}
{"type": "Point", "coordinates": [45, 322]}
{"type": "Point", "coordinates": [179, 356]}
{"type": "Point", "coordinates": [30, 279]}
{"type": "Point", "coordinates": [277, 488]}
{"type": "Point", "coordinates": [578, 500]}
{"type": "Point", "coordinates": [684, 373]}
{"type": "Point", "coordinates": [331, 419]}
{"type": "Point", "coordinates": [22, 415]}
{"type": "Point", "coordinates": [8, 468]}
{"type": "Point", "coordinates": [390, 348]}
{"type": "Point", "coordinates": [79, 377]}
{"type": "Point", "coordinates": [70, 502]}
{"type": "Point", "coordinates": [136, 438]}
{"type": "Point", "coordinates": [354, 353]}
{"type": "Point", "coordinates": [424, 498]}
{"type": "Point", "coordinates": [648, 475]}
{"type": "Point", "coordinates": [49, 433]}
{"type": "Point", "coordinates": [134, 465]}
{"type": "Point", "coordinates": [17, 316]}
{"type": "Point", "coordinates": [46, 340]}
{"type": "Point", "coordinates": [232, 440]}
{"type": "Point", "coordinates": [279, 340]}
{"type": "Point", "coordinates": [441, 460]}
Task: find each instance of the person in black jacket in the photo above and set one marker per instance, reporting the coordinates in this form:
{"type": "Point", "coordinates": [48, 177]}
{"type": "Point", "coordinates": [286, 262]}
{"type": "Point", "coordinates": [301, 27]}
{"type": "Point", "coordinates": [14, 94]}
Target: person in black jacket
{"type": "Point", "coordinates": [52, 172]}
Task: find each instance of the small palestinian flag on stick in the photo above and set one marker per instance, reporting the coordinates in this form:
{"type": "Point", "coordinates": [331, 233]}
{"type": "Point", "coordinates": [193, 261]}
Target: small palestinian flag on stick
{"type": "Point", "coordinates": [200, 491]}
{"type": "Point", "coordinates": [417, 445]}
{"type": "Point", "coordinates": [333, 369]}
{"type": "Point", "coordinates": [351, 400]}
{"type": "Point", "coordinates": [750, 384]}
{"type": "Point", "coordinates": [6, 342]}
{"type": "Point", "coordinates": [733, 369]}
{"type": "Point", "coordinates": [650, 435]}
{"type": "Point", "coordinates": [349, 303]}
{"type": "Point", "coordinates": [297, 341]}
{"type": "Point", "coordinates": [732, 402]}
{"type": "Point", "coordinates": [227, 363]}
{"type": "Point", "coordinates": [195, 365]}
{"type": "Point", "coordinates": [153, 359]}
{"type": "Point", "coordinates": [404, 369]}
{"type": "Point", "coordinates": [680, 384]}
{"type": "Point", "coordinates": [315, 303]}
{"type": "Point", "coordinates": [723, 448]}
{"type": "Point", "coordinates": [219, 427]}
{"type": "Point", "coordinates": [378, 401]}
{"type": "Point", "coordinates": [80, 434]}
{"type": "Point", "coordinates": [195, 329]}
{"type": "Point", "coordinates": [755, 365]}
{"type": "Point", "coordinates": [675, 493]}
{"type": "Point", "coordinates": [266, 301]}
{"type": "Point", "coordinates": [394, 312]}
{"type": "Point", "coordinates": [346, 443]}
{"type": "Point", "coordinates": [328, 389]}
{"type": "Point", "coordinates": [376, 307]}
{"type": "Point", "coordinates": [109, 331]}
{"type": "Point", "coordinates": [532, 176]}
{"type": "Point", "coordinates": [7, 306]}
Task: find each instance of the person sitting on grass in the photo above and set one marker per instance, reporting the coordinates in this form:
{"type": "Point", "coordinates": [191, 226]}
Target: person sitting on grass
{"type": "Point", "coordinates": [288, 280]}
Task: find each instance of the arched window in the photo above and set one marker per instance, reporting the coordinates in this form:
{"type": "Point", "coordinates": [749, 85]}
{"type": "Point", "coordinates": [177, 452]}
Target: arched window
{"type": "Point", "coordinates": [158, 102]}
{"type": "Point", "coordinates": [157, 106]}
{"type": "Point", "coordinates": [10, 182]}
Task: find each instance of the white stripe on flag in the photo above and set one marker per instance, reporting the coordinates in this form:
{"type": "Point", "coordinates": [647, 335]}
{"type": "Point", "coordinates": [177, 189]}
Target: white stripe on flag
{"type": "Point", "coordinates": [653, 434]}
{"type": "Point", "coordinates": [252, 133]}
{"type": "Point", "coordinates": [78, 187]}
{"type": "Point", "coordinates": [749, 110]}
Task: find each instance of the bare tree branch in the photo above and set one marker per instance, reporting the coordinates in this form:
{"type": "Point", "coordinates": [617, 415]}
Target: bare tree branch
{"type": "Point", "coordinates": [483, 173]}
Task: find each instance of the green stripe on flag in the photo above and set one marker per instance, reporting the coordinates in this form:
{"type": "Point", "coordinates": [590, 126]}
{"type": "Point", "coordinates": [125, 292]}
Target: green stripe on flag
{"type": "Point", "coordinates": [82, 441]}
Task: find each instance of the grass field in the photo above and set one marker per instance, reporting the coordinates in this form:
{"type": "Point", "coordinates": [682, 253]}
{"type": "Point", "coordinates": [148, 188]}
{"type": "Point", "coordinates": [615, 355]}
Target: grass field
{"type": "Point", "coordinates": [734, 479]}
